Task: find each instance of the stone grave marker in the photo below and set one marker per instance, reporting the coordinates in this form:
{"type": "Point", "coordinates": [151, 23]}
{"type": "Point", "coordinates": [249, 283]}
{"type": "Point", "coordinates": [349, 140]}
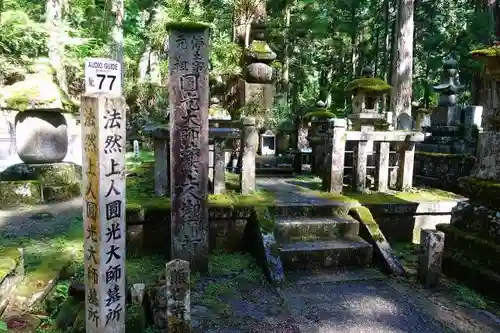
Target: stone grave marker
{"type": "Point", "coordinates": [137, 152]}
{"type": "Point", "coordinates": [178, 296]}
{"type": "Point", "coordinates": [189, 101]}
{"type": "Point", "coordinates": [103, 130]}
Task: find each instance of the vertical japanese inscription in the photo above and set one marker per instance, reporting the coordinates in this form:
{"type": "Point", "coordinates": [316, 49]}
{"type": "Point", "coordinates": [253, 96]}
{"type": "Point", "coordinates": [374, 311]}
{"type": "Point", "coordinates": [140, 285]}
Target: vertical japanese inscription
{"type": "Point", "coordinates": [188, 86]}
{"type": "Point", "coordinates": [178, 296]}
{"type": "Point", "coordinates": [103, 121]}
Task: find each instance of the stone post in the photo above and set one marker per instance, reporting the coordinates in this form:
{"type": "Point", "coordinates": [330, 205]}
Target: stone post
{"type": "Point", "coordinates": [383, 166]}
{"type": "Point", "coordinates": [189, 100]}
{"type": "Point", "coordinates": [137, 152]}
{"type": "Point", "coordinates": [103, 128]}
{"type": "Point", "coordinates": [219, 180]}
{"type": "Point", "coordinates": [336, 158]}
{"type": "Point", "coordinates": [249, 143]}
{"type": "Point", "coordinates": [162, 156]}
{"type": "Point", "coordinates": [431, 256]}
{"type": "Point", "coordinates": [405, 167]}
{"type": "Point", "coordinates": [361, 159]}
{"type": "Point", "coordinates": [178, 296]}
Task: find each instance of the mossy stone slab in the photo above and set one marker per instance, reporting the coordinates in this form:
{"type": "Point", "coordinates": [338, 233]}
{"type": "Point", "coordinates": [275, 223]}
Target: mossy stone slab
{"type": "Point", "coordinates": [13, 193]}
{"type": "Point", "coordinates": [482, 191]}
{"type": "Point", "coordinates": [50, 174]}
{"type": "Point", "coordinates": [61, 193]}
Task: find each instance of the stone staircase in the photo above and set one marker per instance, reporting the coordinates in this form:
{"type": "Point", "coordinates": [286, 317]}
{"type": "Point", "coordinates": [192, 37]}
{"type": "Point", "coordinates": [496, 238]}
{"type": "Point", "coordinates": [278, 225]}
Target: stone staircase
{"type": "Point", "coordinates": [321, 241]}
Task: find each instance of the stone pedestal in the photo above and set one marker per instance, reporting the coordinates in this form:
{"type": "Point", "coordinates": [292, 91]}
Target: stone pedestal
{"type": "Point", "coordinates": [249, 145]}
{"type": "Point", "coordinates": [189, 101]}
{"type": "Point", "coordinates": [445, 116]}
{"type": "Point", "coordinates": [431, 256]}
{"type": "Point", "coordinates": [334, 180]}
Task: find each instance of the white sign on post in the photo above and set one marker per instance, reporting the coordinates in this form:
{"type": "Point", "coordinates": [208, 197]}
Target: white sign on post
{"type": "Point", "coordinates": [103, 75]}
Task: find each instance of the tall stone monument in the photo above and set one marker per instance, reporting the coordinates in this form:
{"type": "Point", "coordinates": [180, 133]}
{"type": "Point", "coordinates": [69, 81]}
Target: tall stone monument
{"type": "Point", "coordinates": [189, 150]}
{"type": "Point", "coordinates": [447, 113]}
{"type": "Point", "coordinates": [103, 128]}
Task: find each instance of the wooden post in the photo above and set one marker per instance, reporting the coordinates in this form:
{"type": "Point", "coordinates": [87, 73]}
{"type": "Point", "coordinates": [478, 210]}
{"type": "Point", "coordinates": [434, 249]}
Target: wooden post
{"type": "Point", "coordinates": [249, 143]}
{"type": "Point", "coordinates": [338, 129]}
{"type": "Point", "coordinates": [383, 166]}
{"type": "Point", "coordinates": [178, 296]}
{"type": "Point", "coordinates": [188, 88]}
{"type": "Point", "coordinates": [405, 169]}
{"type": "Point", "coordinates": [103, 127]}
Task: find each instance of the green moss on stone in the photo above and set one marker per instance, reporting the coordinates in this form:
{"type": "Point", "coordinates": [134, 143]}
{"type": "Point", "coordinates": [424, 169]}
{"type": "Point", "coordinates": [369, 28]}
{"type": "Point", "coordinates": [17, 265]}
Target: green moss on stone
{"type": "Point", "coordinates": [320, 114]}
{"type": "Point", "coordinates": [491, 51]}
{"type": "Point", "coordinates": [260, 50]}
{"type": "Point", "coordinates": [487, 192]}
{"type": "Point", "coordinates": [13, 193]}
{"type": "Point", "coordinates": [368, 84]}
{"type": "Point", "coordinates": [266, 220]}
{"type": "Point", "coordinates": [188, 26]}
{"type": "Point", "coordinates": [365, 216]}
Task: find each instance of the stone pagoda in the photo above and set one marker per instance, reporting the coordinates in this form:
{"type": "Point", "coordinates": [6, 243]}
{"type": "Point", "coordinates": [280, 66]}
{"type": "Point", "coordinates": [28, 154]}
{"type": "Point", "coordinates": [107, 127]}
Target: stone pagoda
{"type": "Point", "coordinates": [447, 113]}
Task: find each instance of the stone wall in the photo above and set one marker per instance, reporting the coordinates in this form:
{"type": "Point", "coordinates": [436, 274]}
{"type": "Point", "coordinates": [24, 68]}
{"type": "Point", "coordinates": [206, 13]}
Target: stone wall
{"type": "Point", "coordinates": [472, 247]}
{"type": "Point", "coordinates": [148, 230]}
{"type": "Point", "coordinates": [8, 154]}
{"type": "Point", "coordinates": [442, 170]}
{"type": "Point", "coordinates": [402, 222]}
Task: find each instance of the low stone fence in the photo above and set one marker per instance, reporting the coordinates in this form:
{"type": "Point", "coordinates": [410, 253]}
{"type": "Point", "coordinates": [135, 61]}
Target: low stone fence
{"type": "Point", "coordinates": [442, 170]}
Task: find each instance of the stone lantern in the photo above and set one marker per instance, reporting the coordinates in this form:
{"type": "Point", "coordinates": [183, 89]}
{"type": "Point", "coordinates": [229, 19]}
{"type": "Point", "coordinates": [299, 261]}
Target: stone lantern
{"type": "Point", "coordinates": [367, 93]}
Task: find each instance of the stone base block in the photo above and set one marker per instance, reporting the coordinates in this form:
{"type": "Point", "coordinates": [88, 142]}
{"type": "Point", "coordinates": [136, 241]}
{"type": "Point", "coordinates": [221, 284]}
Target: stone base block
{"type": "Point", "coordinates": [477, 220]}
{"type": "Point", "coordinates": [15, 193]}
{"type": "Point", "coordinates": [51, 174]}
{"type": "Point", "coordinates": [61, 193]}
{"type": "Point", "coordinates": [431, 256]}
{"type": "Point", "coordinates": [488, 156]}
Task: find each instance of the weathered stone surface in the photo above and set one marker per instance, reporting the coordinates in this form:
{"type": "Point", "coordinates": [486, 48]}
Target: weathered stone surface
{"type": "Point", "coordinates": [488, 156]}
{"type": "Point", "coordinates": [50, 174]}
{"type": "Point", "coordinates": [477, 219]}
{"type": "Point", "coordinates": [162, 172]}
{"type": "Point", "coordinates": [431, 256]}
{"type": "Point", "coordinates": [157, 297]}
{"type": "Point", "coordinates": [219, 177]}
{"type": "Point", "coordinates": [250, 141]}
{"type": "Point", "coordinates": [370, 231]}
{"type": "Point", "coordinates": [189, 102]}
{"type": "Point", "coordinates": [442, 170]}
{"type": "Point", "coordinates": [178, 296]}
{"type": "Point", "coordinates": [290, 229]}
{"type": "Point", "coordinates": [319, 254]}
{"type": "Point", "coordinates": [41, 137]}
{"type": "Point", "coordinates": [14, 193]}
{"type": "Point", "coordinates": [259, 73]}
{"type": "Point", "coordinates": [61, 193]}
{"type": "Point", "coordinates": [335, 161]}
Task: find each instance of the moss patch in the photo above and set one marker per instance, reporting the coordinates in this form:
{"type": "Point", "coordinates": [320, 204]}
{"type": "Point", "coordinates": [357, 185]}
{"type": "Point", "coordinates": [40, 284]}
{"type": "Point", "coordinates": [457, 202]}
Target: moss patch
{"type": "Point", "coordinates": [266, 219]}
{"type": "Point", "coordinates": [188, 26]}
{"type": "Point", "coordinates": [364, 215]}
{"type": "Point", "coordinates": [485, 191]}
{"type": "Point", "coordinates": [368, 84]}
{"type": "Point", "coordinates": [320, 114]}
{"type": "Point", "coordinates": [491, 51]}
{"type": "Point", "coordinates": [260, 50]}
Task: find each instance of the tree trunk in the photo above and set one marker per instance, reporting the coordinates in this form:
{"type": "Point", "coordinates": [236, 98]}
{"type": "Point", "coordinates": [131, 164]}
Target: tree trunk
{"type": "Point", "coordinates": [403, 62]}
{"type": "Point", "coordinates": [116, 38]}
{"type": "Point", "coordinates": [54, 21]}
{"type": "Point", "coordinates": [286, 55]}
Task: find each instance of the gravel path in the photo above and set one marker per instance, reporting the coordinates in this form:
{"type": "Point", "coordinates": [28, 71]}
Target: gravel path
{"type": "Point", "coordinates": [41, 220]}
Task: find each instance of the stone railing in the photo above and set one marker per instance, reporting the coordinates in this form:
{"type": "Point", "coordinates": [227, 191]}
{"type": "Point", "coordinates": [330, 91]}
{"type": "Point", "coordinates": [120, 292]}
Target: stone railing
{"type": "Point", "coordinates": [403, 141]}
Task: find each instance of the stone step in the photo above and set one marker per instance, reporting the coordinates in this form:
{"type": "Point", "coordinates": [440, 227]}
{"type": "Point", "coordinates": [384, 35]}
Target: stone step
{"type": "Point", "coordinates": [313, 210]}
{"type": "Point", "coordinates": [326, 254]}
{"type": "Point", "coordinates": [296, 229]}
